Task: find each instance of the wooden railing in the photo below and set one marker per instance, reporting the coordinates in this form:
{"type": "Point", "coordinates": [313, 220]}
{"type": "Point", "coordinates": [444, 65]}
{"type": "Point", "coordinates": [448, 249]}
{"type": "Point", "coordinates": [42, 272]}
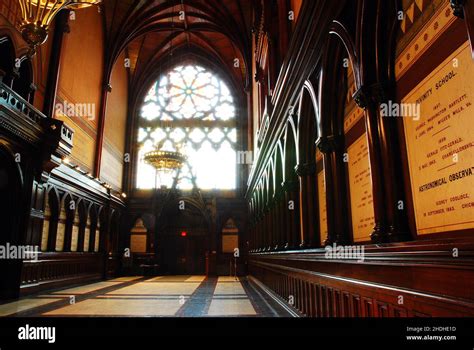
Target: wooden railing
{"type": "Point", "coordinates": [53, 270]}
{"type": "Point", "coordinates": [18, 103]}
{"type": "Point", "coordinates": [411, 281]}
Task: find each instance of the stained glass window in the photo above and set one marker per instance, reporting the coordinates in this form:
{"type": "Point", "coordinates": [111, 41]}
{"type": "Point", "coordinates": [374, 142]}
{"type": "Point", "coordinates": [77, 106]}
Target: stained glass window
{"type": "Point", "coordinates": [191, 109]}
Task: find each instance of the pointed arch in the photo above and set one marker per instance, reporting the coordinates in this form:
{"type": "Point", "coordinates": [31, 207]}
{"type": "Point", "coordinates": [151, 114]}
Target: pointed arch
{"type": "Point", "coordinates": [291, 151]}
{"type": "Point", "coordinates": [90, 242]}
{"type": "Point", "coordinates": [279, 165]}
{"type": "Point", "coordinates": [308, 117]}
{"type": "Point", "coordinates": [65, 223]}
{"type": "Point", "coordinates": [83, 213]}
{"type": "Point", "coordinates": [51, 217]}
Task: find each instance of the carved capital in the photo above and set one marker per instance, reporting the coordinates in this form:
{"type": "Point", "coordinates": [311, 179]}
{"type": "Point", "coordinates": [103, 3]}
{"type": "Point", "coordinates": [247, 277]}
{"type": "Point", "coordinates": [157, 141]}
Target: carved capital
{"type": "Point", "coordinates": [375, 93]}
{"type": "Point", "coordinates": [361, 97]}
{"type": "Point", "coordinates": [326, 145]}
{"type": "Point", "coordinates": [458, 7]}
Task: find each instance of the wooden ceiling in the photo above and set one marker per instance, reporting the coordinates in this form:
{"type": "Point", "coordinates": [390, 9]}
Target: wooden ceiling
{"type": "Point", "coordinates": [156, 34]}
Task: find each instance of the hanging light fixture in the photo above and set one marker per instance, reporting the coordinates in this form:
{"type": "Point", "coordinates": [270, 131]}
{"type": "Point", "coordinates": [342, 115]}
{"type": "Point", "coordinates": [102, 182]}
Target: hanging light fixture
{"type": "Point", "coordinates": [165, 161]}
{"type": "Point", "coordinates": [37, 15]}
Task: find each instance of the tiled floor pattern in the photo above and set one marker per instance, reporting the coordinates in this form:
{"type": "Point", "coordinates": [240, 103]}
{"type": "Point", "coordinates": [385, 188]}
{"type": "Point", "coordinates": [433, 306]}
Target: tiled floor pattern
{"type": "Point", "coordinates": [164, 296]}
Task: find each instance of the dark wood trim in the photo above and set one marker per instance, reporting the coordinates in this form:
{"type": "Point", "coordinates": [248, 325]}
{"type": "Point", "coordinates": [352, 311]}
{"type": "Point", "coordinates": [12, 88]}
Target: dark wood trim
{"type": "Point", "coordinates": [54, 270]}
{"type": "Point", "coordinates": [302, 59]}
{"type": "Point", "coordinates": [386, 274]}
{"type": "Point", "coordinates": [54, 67]}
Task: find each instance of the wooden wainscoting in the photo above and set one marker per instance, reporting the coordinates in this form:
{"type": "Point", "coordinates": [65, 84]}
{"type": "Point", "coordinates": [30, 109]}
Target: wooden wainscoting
{"type": "Point", "coordinates": [54, 270]}
{"type": "Point", "coordinates": [391, 282]}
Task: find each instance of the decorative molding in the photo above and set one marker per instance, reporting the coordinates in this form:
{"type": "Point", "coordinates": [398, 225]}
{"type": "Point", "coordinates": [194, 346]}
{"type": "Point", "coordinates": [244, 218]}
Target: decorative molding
{"type": "Point", "coordinates": [361, 97]}
{"type": "Point", "coordinates": [304, 54]}
{"type": "Point", "coordinates": [367, 294]}
{"type": "Point", "coordinates": [424, 39]}
{"type": "Point", "coordinates": [375, 93]}
{"type": "Point", "coordinates": [326, 145]}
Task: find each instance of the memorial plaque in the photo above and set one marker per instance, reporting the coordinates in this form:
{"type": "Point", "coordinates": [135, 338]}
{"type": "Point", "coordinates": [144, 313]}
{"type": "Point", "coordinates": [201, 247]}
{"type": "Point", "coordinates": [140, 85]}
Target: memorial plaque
{"type": "Point", "coordinates": [440, 146]}
{"type": "Point", "coordinates": [362, 207]}
{"type": "Point", "coordinates": [230, 243]}
{"type": "Point", "coordinates": [323, 219]}
{"type": "Point", "coordinates": [138, 243]}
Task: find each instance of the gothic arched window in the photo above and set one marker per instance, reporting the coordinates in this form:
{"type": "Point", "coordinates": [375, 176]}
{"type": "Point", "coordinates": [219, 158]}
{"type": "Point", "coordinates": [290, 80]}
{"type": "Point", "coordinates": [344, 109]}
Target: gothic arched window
{"type": "Point", "coordinates": [190, 108]}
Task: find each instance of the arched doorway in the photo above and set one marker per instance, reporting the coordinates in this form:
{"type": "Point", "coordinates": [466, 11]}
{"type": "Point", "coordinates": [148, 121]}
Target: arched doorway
{"type": "Point", "coordinates": [11, 206]}
{"type": "Point", "coordinates": [183, 239]}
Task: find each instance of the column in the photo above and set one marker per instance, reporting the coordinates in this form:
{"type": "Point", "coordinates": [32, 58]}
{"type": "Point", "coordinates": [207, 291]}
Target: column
{"type": "Point", "coordinates": [336, 198]}
{"type": "Point", "coordinates": [291, 209]}
{"type": "Point", "coordinates": [365, 100]}
{"type": "Point", "coordinates": [308, 181]}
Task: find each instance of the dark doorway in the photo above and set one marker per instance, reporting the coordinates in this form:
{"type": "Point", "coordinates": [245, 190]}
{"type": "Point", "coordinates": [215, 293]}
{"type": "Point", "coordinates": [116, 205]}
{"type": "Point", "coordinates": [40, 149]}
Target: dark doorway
{"type": "Point", "coordinates": [184, 255]}
{"type": "Point", "coordinates": [10, 234]}
{"type": "Point", "coordinates": [183, 240]}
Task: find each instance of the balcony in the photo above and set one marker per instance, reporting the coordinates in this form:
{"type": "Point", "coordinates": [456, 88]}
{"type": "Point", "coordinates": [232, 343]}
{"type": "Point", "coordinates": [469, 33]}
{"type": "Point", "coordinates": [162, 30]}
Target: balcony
{"type": "Point", "coordinates": [24, 125]}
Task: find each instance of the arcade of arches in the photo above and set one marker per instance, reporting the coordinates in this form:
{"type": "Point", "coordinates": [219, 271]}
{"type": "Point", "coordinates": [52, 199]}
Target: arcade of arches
{"type": "Point", "coordinates": [329, 159]}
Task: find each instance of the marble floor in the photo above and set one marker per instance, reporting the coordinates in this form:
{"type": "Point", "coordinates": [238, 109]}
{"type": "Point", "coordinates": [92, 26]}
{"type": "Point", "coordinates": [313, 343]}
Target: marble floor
{"type": "Point", "coordinates": [164, 296]}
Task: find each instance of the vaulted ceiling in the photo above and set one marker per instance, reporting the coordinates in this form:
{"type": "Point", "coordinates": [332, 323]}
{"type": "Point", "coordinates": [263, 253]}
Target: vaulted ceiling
{"type": "Point", "coordinates": [155, 34]}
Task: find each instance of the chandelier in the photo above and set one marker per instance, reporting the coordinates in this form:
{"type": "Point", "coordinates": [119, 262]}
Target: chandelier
{"type": "Point", "coordinates": [37, 15]}
{"type": "Point", "coordinates": [165, 161]}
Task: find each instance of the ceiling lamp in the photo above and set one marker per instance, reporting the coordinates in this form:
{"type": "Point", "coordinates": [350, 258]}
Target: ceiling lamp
{"type": "Point", "coordinates": [165, 161]}
{"type": "Point", "coordinates": [37, 15]}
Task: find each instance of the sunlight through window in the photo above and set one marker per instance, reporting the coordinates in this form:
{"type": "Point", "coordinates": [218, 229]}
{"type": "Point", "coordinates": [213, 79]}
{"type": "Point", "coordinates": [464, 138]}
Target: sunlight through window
{"type": "Point", "coordinates": [192, 109]}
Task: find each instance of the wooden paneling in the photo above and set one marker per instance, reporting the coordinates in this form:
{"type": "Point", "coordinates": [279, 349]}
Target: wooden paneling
{"type": "Point", "coordinates": [80, 80]}
{"type": "Point", "coordinates": [115, 124]}
{"type": "Point", "coordinates": [327, 289]}
{"type": "Point", "coordinates": [53, 270]}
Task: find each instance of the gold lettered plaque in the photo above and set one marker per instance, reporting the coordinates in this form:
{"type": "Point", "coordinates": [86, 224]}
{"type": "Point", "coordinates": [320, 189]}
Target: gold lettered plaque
{"type": "Point", "coordinates": [323, 219]}
{"type": "Point", "coordinates": [440, 146]}
{"type": "Point", "coordinates": [230, 243]}
{"type": "Point", "coordinates": [362, 205]}
{"type": "Point", "coordinates": [138, 243]}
